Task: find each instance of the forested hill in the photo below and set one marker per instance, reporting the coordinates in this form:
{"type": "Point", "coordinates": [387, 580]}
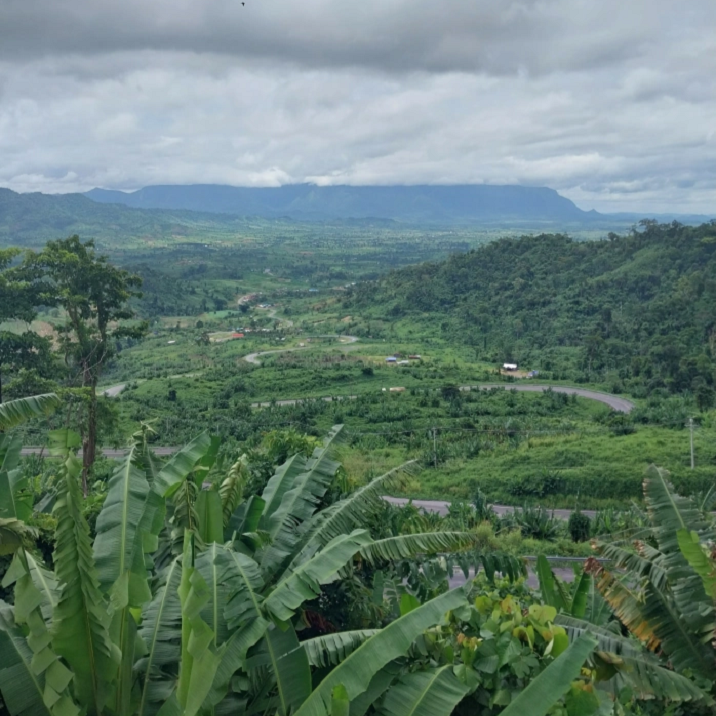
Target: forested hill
{"type": "Point", "coordinates": [32, 219]}
{"type": "Point", "coordinates": [642, 305]}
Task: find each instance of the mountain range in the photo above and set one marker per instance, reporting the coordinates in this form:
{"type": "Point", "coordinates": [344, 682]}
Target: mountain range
{"type": "Point", "coordinates": [409, 204]}
{"type": "Point", "coordinates": [168, 213]}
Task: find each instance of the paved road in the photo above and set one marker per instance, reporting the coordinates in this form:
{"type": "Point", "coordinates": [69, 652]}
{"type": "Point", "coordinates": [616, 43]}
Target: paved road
{"type": "Point", "coordinates": [107, 452]}
{"type": "Point", "coordinates": [254, 357]}
{"type": "Point", "coordinates": [621, 405]}
{"type": "Point", "coordinates": [114, 391]}
{"type": "Point", "coordinates": [441, 507]}
{"type": "Point", "coordinates": [565, 574]}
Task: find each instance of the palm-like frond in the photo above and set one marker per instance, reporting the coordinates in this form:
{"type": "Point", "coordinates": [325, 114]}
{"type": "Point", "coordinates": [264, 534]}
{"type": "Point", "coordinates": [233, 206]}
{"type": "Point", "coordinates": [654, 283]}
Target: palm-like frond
{"type": "Point", "coordinates": [14, 412]}
{"type": "Point", "coordinates": [357, 670]}
{"type": "Point", "coordinates": [405, 546]}
{"type": "Point", "coordinates": [47, 671]}
{"type": "Point", "coordinates": [244, 582]}
{"type": "Point", "coordinates": [347, 514]}
{"type": "Point", "coordinates": [652, 617]}
{"type": "Point", "coordinates": [636, 668]}
{"type": "Point", "coordinates": [288, 674]}
{"type": "Point", "coordinates": [671, 513]}
{"type": "Point", "coordinates": [46, 584]}
{"type": "Point", "coordinates": [637, 564]}
{"type": "Point", "coordinates": [212, 570]}
{"type": "Point", "coordinates": [181, 464]}
{"type": "Point", "coordinates": [435, 692]}
{"type": "Point", "coordinates": [299, 502]}
{"type": "Point", "coordinates": [303, 584]}
{"type": "Point", "coordinates": [281, 482]}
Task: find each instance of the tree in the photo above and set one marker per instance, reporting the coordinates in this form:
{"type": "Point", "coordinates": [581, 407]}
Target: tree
{"type": "Point", "coordinates": [18, 298]}
{"type": "Point", "coordinates": [95, 296]}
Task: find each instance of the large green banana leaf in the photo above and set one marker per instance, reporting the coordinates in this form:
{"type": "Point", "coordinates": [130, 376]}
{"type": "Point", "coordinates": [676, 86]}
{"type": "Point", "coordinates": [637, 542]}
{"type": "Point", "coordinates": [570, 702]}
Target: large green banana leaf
{"type": "Point", "coordinates": [424, 693]}
{"type": "Point", "coordinates": [119, 533]}
{"type": "Point", "coordinates": [546, 689]}
{"type": "Point", "coordinates": [347, 514]}
{"type": "Point", "coordinates": [405, 546]}
{"type": "Point", "coordinates": [22, 689]}
{"type": "Point", "coordinates": [81, 618]}
{"type": "Point", "coordinates": [161, 633]}
{"type": "Point", "coordinates": [356, 671]}
{"type": "Point", "coordinates": [331, 649]}
{"type": "Point", "coordinates": [303, 584]}
{"type": "Point", "coordinates": [14, 412]}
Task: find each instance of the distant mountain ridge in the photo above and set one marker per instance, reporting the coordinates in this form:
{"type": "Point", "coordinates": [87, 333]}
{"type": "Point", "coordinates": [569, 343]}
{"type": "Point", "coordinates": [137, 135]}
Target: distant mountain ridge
{"type": "Point", "coordinates": [463, 204]}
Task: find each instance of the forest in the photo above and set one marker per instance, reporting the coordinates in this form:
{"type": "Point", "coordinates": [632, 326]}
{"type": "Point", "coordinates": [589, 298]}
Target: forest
{"type": "Point", "coordinates": [234, 553]}
{"type": "Point", "coordinates": [640, 304]}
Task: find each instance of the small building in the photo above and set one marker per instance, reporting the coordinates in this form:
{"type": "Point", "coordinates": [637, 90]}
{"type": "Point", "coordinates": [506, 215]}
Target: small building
{"type": "Point", "coordinates": [509, 366]}
{"type": "Point", "coordinates": [396, 390]}
{"type": "Point", "coordinates": [237, 335]}
{"type": "Point", "coordinates": [415, 356]}
{"type": "Point", "coordinates": [533, 374]}
{"type": "Point", "coordinates": [403, 362]}
{"type": "Point", "coordinates": [391, 359]}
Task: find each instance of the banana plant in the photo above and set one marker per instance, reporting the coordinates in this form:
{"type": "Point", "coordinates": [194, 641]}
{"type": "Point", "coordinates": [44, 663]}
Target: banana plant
{"type": "Point", "coordinates": [128, 625]}
{"type": "Point", "coordinates": [661, 589]}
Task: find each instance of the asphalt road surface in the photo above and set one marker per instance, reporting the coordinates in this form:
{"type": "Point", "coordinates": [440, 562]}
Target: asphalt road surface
{"type": "Point", "coordinates": [441, 507]}
{"type": "Point", "coordinates": [254, 357]}
{"type": "Point", "coordinates": [621, 405]}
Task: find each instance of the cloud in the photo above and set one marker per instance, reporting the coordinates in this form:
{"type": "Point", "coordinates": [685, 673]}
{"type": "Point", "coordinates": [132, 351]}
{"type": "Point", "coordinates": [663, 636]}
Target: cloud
{"type": "Point", "coordinates": [611, 103]}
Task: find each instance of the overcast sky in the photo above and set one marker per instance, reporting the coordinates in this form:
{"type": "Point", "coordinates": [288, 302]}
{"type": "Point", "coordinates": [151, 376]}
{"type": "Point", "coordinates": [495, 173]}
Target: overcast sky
{"type": "Point", "coordinates": [611, 102]}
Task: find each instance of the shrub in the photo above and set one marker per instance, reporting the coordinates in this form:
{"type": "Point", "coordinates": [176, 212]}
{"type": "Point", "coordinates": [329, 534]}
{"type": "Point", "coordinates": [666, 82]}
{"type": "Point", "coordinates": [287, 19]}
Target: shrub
{"type": "Point", "coordinates": [535, 522]}
{"type": "Point", "coordinates": [579, 526]}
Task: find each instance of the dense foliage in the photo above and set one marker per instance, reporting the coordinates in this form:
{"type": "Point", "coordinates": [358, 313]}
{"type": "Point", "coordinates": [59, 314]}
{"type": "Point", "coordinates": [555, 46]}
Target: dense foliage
{"type": "Point", "coordinates": [641, 304]}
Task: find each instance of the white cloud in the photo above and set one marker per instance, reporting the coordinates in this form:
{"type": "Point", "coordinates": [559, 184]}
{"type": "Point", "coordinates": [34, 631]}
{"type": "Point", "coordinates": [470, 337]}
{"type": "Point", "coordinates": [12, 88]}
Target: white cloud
{"type": "Point", "coordinates": [611, 103]}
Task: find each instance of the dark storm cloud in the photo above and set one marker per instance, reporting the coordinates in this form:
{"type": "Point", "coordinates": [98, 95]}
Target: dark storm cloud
{"type": "Point", "coordinates": [611, 102]}
{"type": "Point", "coordinates": [406, 35]}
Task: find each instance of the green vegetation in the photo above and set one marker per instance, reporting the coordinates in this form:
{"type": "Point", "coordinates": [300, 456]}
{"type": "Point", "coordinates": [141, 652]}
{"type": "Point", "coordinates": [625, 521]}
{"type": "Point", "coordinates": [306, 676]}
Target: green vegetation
{"type": "Point", "coordinates": [190, 594]}
{"type": "Point", "coordinates": [633, 313]}
{"type": "Point", "coordinates": [190, 372]}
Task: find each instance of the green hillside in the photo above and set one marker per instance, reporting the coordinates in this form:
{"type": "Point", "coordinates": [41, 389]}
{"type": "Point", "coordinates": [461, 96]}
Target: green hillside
{"type": "Point", "coordinates": [639, 307]}
{"type": "Point", "coordinates": [32, 219]}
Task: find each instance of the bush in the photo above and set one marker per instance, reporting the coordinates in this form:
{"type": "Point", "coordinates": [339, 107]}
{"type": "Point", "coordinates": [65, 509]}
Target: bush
{"type": "Point", "coordinates": [579, 526]}
{"type": "Point", "coordinates": [536, 523]}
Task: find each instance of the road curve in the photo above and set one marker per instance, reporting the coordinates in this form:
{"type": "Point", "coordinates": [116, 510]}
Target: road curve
{"type": "Point", "coordinates": [114, 391]}
{"type": "Point", "coordinates": [254, 357]}
{"type": "Point", "coordinates": [621, 405]}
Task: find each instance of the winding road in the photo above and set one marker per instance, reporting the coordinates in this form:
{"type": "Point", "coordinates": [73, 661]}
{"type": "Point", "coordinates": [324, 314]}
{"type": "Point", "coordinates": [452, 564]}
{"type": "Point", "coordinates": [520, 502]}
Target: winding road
{"type": "Point", "coordinates": [254, 357]}
{"type": "Point", "coordinates": [620, 405]}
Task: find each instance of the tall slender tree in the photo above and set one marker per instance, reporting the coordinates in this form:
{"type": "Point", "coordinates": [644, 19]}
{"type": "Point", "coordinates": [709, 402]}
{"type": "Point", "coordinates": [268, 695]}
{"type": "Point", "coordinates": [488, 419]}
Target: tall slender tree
{"type": "Point", "coordinates": [95, 297]}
